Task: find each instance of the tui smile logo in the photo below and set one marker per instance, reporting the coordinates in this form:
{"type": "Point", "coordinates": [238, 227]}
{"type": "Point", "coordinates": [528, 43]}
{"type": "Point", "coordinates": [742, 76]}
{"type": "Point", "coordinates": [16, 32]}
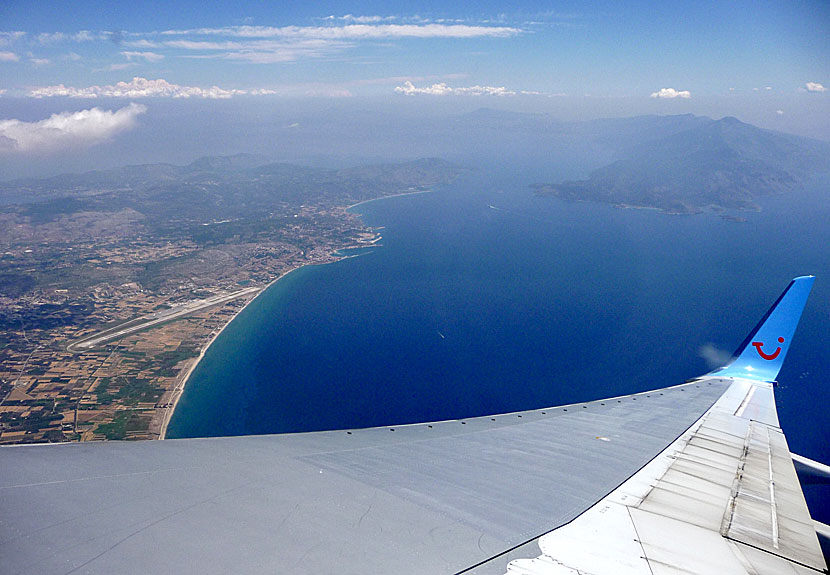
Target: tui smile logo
{"type": "Point", "coordinates": [768, 356]}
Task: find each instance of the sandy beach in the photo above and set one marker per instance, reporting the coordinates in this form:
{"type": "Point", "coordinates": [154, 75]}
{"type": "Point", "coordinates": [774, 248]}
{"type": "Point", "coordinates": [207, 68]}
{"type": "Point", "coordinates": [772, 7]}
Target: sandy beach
{"type": "Point", "coordinates": [179, 389]}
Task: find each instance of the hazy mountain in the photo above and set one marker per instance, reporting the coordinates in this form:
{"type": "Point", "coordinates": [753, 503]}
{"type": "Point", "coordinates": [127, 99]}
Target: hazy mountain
{"type": "Point", "coordinates": [126, 178]}
{"type": "Point", "coordinates": [715, 165]}
{"type": "Point", "coordinates": [620, 135]}
{"type": "Point", "coordinates": [681, 163]}
{"type": "Point", "coordinates": [228, 187]}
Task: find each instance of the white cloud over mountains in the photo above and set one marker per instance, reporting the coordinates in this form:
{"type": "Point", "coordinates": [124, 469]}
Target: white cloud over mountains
{"type": "Point", "coordinates": [671, 93]}
{"type": "Point", "coordinates": [67, 130]}
{"type": "Point", "coordinates": [136, 88]}
{"type": "Point", "coordinates": [143, 88]}
{"type": "Point", "coordinates": [442, 89]}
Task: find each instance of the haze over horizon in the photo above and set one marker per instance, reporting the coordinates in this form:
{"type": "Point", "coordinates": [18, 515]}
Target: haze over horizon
{"type": "Point", "coordinates": [85, 87]}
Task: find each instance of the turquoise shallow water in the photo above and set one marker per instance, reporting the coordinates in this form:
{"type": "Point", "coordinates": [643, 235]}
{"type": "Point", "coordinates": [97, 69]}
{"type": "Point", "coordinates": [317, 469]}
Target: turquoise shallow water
{"type": "Point", "coordinates": [484, 298]}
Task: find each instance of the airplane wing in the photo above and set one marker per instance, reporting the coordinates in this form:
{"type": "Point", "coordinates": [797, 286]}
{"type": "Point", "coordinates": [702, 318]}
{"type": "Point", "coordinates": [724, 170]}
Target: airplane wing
{"type": "Point", "coordinates": [695, 478]}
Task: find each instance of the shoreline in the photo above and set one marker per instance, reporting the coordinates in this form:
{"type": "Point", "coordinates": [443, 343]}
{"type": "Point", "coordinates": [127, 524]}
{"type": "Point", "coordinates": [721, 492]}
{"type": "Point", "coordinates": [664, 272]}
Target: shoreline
{"type": "Point", "coordinates": [179, 389]}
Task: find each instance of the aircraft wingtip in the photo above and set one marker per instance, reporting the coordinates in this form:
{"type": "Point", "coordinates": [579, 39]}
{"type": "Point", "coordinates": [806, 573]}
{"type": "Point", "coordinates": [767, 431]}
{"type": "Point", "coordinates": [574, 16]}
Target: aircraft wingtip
{"type": "Point", "coordinates": [762, 353]}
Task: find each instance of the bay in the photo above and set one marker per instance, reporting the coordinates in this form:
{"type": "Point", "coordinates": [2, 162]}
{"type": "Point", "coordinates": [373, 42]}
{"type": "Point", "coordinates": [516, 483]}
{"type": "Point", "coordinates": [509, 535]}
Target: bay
{"type": "Point", "coordinates": [483, 298]}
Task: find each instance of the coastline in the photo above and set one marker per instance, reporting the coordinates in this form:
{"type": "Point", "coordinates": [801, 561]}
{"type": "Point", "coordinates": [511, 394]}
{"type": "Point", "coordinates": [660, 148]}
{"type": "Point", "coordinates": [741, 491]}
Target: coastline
{"type": "Point", "coordinates": [179, 389]}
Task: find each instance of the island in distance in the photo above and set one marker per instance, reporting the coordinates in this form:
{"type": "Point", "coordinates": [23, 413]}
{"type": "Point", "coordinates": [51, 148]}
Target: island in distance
{"type": "Point", "coordinates": [718, 165]}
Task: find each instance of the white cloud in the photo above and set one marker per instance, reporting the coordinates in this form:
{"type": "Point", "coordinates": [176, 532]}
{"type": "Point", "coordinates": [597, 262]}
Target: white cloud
{"type": "Point", "coordinates": [9, 57]}
{"type": "Point", "coordinates": [354, 31]}
{"type": "Point", "coordinates": [266, 56]}
{"type": "Point", "coordinates": [7, 38]}
{"type": "Point", "coordinates": [54, 37]}
{"type": "Point", "coordinates": [267, 44]}
{"type": "Point", "coordinates": [273, 44]}
{"type": "Point", "coordinates": [815, 87]}
{"type": "Point", "coordinates": [205, 45]}
{"type": "Point", "coordinates": [780, 112]}
{"type": "Point", "coordinates": [67, 129]}
{"type": "Point", "coordinates": [40, 61]}
{"type": "Point", "coordinates": [259, 51]}
{"type": "Point", "coordinates": [116, 67]}
{"type": "Point", "coordinates": [670, 93]}
{"type": "Point", "coordinates": [136, 88]}
{"type": "Point", "coordinates": [441, 89]}
{"type": "Point", "coordinates": [147, 56]}
{"type": "Point", "coordinates": [140, 43]}
{"type": "Point", "coordinates": [361, 19]}
{"type": "Point", "coordinates": [144, 88]}
{"type": "Point", "coordinates": [47, 37]}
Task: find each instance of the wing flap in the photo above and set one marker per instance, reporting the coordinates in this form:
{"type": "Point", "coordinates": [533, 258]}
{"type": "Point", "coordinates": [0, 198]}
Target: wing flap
{"type": "Point", "coordinates": [767, 509]}
{"type": "Point", "coordinates": [695, 512]}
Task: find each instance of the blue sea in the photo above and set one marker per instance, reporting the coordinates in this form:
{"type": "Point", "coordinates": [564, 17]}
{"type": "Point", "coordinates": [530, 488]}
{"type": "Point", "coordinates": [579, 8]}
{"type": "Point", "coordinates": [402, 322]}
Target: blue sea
{"type": "Point", "coordinates": [484, 298]}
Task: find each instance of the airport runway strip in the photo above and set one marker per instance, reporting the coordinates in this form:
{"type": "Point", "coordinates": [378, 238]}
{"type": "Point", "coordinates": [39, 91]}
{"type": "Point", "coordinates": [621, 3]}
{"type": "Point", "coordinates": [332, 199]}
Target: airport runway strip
{"type": "Point", "coordinates": [156, 318]}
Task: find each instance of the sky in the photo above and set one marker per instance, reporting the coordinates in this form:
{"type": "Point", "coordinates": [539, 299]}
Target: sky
{"type": "Point", "coordinates": [75, 75]}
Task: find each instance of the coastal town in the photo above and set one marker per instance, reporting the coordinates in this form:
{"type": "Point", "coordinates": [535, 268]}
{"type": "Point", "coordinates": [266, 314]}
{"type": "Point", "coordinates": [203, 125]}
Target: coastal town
{"type": "Point", "coordinates": [105, 306]}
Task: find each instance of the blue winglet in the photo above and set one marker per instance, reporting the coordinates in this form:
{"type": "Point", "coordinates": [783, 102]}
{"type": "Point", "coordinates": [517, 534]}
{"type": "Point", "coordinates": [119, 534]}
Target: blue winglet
{"type": "Point", "coordinates": [762, 353]}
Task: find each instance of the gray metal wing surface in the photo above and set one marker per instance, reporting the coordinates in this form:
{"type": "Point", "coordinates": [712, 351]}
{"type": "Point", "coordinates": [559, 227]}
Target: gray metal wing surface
{"type": "Point", "coordinates": [431, 498]}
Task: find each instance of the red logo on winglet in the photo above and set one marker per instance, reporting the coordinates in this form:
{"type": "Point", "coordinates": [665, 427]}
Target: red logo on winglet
{"type": "Point", "coordinates": [768, 356]}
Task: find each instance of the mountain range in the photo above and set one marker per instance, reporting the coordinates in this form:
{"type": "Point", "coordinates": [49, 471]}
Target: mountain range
{"type": "Point", "coordinates": [678, 164]}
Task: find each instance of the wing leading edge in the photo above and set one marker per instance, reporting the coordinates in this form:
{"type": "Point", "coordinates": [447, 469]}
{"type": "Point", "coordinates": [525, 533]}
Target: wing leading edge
{"type": "Point", "coordinates": [446, 497]}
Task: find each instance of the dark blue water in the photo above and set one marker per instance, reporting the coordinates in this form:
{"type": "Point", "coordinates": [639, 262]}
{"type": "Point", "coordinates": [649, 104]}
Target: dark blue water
{"type": "Point", "coordinates": [484, 298]}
